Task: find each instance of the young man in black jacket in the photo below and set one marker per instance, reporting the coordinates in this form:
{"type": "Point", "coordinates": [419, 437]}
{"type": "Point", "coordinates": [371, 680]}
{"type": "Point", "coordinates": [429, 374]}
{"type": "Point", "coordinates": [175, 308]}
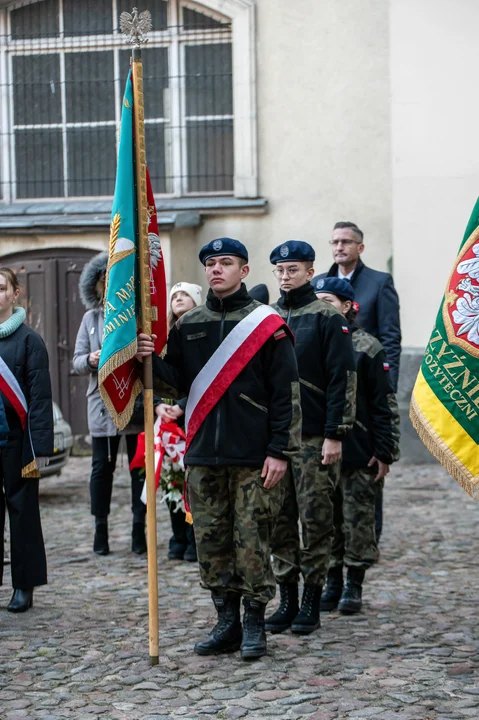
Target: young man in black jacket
{"type": "Point", "coordinates": [368, 451]}
{"type": "Point", "coordinates": [328, 390]}
{"type": "Point", "coordinates": [238, 454]}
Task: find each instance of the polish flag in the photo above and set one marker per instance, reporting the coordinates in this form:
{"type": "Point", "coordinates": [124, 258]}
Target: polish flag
{"type": "Point", "coordinates": [13, 392]}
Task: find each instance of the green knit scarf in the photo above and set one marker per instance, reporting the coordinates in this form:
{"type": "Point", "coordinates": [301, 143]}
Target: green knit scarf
{"type": "Point", "coordinates": [13, 323]}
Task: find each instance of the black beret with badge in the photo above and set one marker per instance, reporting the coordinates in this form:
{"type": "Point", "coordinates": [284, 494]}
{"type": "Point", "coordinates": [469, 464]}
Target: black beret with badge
{"type": "Point", "coordinates": [292, 251]}
{"type": "Point", "coordinates": [223, 246]}
{"type": "Point", "coordinates": [335, 286]}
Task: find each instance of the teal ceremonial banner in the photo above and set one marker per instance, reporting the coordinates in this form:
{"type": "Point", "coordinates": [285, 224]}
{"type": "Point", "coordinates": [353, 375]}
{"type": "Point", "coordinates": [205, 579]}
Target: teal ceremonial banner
{"type": "Point", "coordinates": [118, 376]}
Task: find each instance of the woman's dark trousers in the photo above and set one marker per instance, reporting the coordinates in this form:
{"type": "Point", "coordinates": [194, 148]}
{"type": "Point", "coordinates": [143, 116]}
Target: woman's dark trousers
{"type": "Point", "coordinates": [19, 496]}
{"type": "Point", "coordinates": [104, 454]}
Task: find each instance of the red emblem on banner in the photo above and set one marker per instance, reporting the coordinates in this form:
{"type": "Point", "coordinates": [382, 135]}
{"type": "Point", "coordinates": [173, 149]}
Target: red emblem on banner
{"type": "Point", "coordinates": [461, 302]}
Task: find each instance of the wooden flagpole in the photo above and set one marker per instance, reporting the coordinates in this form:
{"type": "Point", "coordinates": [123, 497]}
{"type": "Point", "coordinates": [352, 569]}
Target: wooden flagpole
{"type": "Point", "coordinates": [144, 274]}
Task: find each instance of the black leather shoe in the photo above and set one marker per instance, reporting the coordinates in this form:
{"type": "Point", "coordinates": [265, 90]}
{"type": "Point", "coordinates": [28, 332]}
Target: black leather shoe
{"type": "Point", "coordinates": [226, 635]}
{"type": "Point", "coordinates": [288, 609]}
{"type": "Point", "coordinates": [254, 635]}
{"type": "Point", "coordinates": [138, 539]}
{"type": "Point", "coordinates": [22, 600]}
{"type": "Point", "coordinates": [351, 600]}
{"type": "Point", "coordinates": [100, 542]}
{"type": "Point", "coordinates": [308, 620]}
{"type": "Point", "coordinates": [334, 587]}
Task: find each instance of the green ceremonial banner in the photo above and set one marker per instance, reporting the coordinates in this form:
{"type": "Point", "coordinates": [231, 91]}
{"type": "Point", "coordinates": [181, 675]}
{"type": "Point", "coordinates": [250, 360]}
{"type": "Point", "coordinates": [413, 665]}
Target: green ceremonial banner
{"type": "Point", "coordinates": [118, 376]}
{"type": "Point", "coordinates": [445, 401]}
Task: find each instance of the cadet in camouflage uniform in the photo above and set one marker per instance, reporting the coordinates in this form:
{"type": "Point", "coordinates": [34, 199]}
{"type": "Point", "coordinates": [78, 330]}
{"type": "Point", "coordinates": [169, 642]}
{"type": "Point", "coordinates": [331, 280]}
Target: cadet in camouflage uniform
{"type": "Point", "coordinates": [238, 456]}
{"type": "Point", "coordinates": [368, 450]}
{"type": "Point", "coordinates": [328, 389]}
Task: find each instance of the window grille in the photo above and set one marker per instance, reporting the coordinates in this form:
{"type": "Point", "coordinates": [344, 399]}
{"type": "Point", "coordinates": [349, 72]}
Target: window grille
{"type": "Point", "coordinates": [63, 67]}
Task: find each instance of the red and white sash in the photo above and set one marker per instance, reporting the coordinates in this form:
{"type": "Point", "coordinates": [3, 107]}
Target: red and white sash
{"type": "Point", "coordinates": [13, 392]}
{"type": "Point", "coordinates": [226, 363]}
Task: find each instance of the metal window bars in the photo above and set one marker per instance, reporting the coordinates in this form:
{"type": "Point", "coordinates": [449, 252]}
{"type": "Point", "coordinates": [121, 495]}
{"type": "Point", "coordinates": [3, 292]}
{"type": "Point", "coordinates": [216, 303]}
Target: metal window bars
{"type": "Point", "coordinates": [63, 66]}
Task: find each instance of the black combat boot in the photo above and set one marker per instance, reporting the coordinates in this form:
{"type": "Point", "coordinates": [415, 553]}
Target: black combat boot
{"type": "Point", "coordinates": [334, 588]}
{"type": "Point", "coordinates": [138, 539]}
{"type": "Point", "coordinates": [288, 609]}
{"type": "Point", "coordinates": [254, 636]}
{"type": "Point", "coordinates": [351, 600]}
{"type": "Point", "coordinates": [226, 635]}
{"type": "Point", "coordinates": [308, 620]}
{"type": "Point", "coordinates": [100, 541]}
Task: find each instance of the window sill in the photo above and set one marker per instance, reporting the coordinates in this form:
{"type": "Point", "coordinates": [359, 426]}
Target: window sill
{"type": "Point", "coordinates": [77, 216]}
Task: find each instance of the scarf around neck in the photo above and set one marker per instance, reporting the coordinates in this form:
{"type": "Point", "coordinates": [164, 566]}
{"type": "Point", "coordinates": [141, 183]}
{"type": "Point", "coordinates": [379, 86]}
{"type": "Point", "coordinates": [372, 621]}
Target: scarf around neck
{"type": "Point", "coordinates": [13, 323]}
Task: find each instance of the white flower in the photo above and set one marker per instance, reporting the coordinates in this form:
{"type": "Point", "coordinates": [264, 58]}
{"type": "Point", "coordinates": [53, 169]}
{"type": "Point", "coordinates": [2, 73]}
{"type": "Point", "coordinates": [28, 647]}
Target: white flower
{"type": "Point", "coordinates": [467, 313]}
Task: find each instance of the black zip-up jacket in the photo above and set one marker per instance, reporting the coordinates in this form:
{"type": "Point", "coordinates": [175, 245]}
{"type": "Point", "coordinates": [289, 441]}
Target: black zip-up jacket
{"type": "Point", "coordinates": [259, 415]}
{"type": "Point", "coordinates": [326, 366]}
{"type": "Point", "coordinates": [376, 428]}
{"type": "Point", "coordinates": [25, 354]}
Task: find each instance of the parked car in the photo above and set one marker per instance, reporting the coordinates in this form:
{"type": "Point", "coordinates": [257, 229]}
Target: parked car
{"type": "Point", "coordinates": [62, 445]}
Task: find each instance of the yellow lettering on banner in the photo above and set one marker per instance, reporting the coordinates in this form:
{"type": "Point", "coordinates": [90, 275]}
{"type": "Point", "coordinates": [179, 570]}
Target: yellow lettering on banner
{"type": "Point", "coordinates": [109, 307]}
{"type": "Point", "coordinates": [442, 351]}
{"type": "Point", "coordinates": [464, 377]}
{"type": "Point", "coordinates": [131, 284]}
{"type": "Point", "coordinates": [123, 294]}
{"type": "Point", "coordinates": [109, 327]}
{"type": "Point", "coordinates": [435, 339]}
{"type": "Point", "coordinates": [474, 390]}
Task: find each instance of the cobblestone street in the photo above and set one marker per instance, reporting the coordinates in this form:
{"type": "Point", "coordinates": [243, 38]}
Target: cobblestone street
{"type": "Point", "coordinates": [82, 651]}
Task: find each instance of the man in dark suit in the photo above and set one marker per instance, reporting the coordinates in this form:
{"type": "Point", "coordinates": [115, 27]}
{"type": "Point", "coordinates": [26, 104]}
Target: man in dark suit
{"type": "Point", "coordinates": [374, 290]}
{"type": "Point", "coordinates": [378, 304]}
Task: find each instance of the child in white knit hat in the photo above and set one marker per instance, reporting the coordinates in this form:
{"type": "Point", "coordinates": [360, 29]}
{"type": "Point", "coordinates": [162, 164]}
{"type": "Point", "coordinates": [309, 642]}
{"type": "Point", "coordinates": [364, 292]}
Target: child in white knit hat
{"type": "Point", "coordinates": [184, 296]}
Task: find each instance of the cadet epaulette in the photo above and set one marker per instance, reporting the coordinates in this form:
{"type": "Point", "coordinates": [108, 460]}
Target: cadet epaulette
{"type": "Point", "coordinates": [281, 333]}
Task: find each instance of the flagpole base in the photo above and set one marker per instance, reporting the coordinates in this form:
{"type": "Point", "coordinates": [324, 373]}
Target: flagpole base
{"type": "Point", "coordinates": [154, 660]}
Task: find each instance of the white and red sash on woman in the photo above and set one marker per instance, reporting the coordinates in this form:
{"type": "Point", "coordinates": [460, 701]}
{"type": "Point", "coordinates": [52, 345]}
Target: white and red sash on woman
{"type": "Point", "coordinates": [226, 363]}
{"type": "Point", "coordinates": [13, 392]}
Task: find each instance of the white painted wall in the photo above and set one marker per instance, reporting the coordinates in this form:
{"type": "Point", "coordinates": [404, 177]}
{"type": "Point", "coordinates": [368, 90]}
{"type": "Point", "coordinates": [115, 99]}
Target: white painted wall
{"type": "Point", "coordinates": [324, 130]}
{"type": "Point", "coordinates": [434, 114]}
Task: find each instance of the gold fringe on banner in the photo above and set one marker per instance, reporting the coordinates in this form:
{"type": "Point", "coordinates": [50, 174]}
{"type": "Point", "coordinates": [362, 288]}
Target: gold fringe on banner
{"type": "Point", "coordinates": [122, 419]}
{"type": "Point", "coordinates": [31, 470]}
{"type": "Point", "coordinates": [437, 447]}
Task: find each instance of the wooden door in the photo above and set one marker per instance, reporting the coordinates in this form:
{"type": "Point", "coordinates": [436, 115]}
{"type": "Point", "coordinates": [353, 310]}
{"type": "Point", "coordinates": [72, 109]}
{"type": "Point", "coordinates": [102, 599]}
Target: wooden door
{"type": "Point", "coordinates": [49, 293]}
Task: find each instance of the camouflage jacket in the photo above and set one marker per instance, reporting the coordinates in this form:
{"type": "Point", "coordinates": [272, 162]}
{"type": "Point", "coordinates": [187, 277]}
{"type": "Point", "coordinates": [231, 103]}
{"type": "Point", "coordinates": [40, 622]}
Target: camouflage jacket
{"type": "Point", "coordinates": [260, 412]}
{"type": "Point", "coordinates": [325, 357]}
{"type": "Point", "coordinates": [376, 428]}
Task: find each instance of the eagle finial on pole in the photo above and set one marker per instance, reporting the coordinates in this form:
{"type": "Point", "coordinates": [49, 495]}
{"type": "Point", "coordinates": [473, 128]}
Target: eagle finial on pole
{"type": "Point", "coordinates": [136, 26]}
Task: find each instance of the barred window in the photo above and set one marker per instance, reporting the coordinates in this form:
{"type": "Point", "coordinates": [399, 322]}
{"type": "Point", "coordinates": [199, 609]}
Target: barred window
{"type": "Point", "coordinates": [63, 73]}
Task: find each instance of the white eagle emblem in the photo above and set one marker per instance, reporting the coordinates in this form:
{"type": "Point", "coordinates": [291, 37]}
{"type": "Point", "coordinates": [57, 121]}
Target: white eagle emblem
{"type": "Point", "coordinates": [217, 245]}
{"type": "Point", "coordinates": [136, 26]}
{"type": "Point", "coordinates": [319, 285]}
{"type": "Point", "coordinates": [284, 251]}
{"type": "Point", "coordinates": [155, 249]}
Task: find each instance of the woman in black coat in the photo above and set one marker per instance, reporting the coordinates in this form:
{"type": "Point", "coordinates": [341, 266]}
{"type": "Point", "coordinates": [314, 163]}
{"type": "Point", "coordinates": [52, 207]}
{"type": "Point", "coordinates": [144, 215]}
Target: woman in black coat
{"type": "Point", "coordinates": [25, 389]}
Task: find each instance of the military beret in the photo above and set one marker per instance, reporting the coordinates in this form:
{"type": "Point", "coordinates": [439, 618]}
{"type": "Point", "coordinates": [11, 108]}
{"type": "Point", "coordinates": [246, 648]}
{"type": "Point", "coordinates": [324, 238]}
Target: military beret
{"type": "Point", "coordinates": [291, 251]}
{"type": "Point", "coordinates": [335, 286]}
{"type": "Point", "coordinates": [223, 246]}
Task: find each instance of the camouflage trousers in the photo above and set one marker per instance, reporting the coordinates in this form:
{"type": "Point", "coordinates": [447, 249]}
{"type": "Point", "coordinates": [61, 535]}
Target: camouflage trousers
{"type": "Point", "coordinates": [233, 519]}
{"type": "Point", "coordinates": [354, 542]}
{"type": "Point", "coordinates": [308, 497]}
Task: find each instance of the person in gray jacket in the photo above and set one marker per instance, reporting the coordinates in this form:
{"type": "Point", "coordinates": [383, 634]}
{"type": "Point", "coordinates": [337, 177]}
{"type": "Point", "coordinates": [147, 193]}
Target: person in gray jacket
{"type": "Point", "coordinates": [105, 437]}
